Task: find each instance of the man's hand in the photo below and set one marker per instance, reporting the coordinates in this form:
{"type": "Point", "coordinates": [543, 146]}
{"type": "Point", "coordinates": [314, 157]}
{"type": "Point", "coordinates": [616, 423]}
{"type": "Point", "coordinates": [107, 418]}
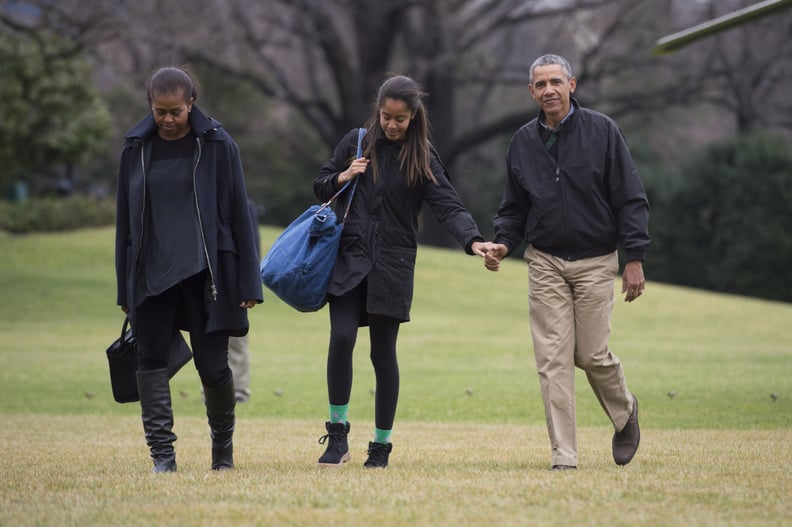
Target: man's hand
{"type": "Point", "coordinates": [496, 253]}
{"type": "Point", "coordinates": [633, 282]}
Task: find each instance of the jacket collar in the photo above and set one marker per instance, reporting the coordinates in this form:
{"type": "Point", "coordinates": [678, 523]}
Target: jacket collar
{"type": "Point", "coordinates": [202, 125]}
{"type": "Point", "coordinates": [567, 122]}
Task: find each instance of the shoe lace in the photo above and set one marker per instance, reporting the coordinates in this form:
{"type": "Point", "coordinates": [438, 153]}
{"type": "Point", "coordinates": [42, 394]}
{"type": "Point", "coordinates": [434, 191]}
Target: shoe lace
{"type": "Point", "coordinates": [377, 452]}
{"type": "Point", "coordinates": [334, 437]}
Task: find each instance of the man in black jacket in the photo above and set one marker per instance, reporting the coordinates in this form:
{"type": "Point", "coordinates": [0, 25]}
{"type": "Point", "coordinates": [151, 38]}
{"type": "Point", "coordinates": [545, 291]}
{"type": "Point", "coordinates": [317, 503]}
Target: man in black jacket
{"type": "Point", "coordinates": [573, 194]}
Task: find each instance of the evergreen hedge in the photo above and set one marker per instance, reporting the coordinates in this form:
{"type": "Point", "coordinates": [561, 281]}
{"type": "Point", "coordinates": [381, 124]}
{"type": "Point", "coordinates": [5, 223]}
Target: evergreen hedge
{"type": "Point", "coordinates": [56, 214]}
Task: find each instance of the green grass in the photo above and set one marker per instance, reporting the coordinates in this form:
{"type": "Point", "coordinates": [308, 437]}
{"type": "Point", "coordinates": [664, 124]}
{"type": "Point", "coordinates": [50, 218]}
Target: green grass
{"type": "Point", "coordinates": [95, 472]}
{"type": "Point", "coordinates": [715, 454]}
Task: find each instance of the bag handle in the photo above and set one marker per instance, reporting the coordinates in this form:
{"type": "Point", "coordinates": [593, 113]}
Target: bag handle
{"type": "Point", "coordinates": [361, 134]}
{"type": "Point", "coordinates": [124, 327]}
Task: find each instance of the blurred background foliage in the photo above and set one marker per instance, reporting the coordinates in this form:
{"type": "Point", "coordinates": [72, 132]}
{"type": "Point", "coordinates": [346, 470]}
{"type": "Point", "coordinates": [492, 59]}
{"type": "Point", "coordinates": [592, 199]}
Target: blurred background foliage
{"type": "Point", "coordinates": [710, 126]}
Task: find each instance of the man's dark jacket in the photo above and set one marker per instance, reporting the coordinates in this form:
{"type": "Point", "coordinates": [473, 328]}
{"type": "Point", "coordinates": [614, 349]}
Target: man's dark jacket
{"type": "Point", "coordinates": [222, 203]}
{"type": "Point", "coordinates": [581, 205]}
{"type": "Point", "coordinates": [379, 240]}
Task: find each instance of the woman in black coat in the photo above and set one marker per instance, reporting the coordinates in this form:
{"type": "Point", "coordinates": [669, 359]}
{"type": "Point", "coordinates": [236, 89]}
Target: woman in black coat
{"type": "Point", "coordinates": [185, 257]}
{"type": "Point", "coordinates": [372, 282]}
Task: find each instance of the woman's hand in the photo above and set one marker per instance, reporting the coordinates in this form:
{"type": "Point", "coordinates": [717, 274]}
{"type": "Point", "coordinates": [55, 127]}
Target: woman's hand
{"type": "Point", "coordinates": [248, 304]}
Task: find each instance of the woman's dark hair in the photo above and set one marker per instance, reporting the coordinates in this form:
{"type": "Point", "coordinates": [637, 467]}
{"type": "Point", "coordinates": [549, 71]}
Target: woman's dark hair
{"type": "Point", "coordinates": [171, 79]}
{"type": "Point", "coordinates": [414, 156]}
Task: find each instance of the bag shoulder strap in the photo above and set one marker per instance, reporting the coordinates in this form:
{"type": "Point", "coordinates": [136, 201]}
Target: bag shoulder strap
{"type": "Point", "coordinates": [361, 134]}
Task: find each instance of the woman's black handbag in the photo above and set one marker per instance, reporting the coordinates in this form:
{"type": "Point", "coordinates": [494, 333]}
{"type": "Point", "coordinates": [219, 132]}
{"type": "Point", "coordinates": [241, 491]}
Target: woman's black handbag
{"type": "Point", "coordinates": [122, 358]}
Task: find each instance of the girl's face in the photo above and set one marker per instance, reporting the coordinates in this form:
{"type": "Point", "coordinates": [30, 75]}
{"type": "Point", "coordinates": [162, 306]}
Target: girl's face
{"type": "Point", "coordinates": [171, 114]}
{"type": "Point", "coordinates": [394, 118]}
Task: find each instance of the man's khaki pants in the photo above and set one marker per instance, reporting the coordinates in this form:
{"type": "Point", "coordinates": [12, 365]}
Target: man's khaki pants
{"type": "Point", "coordinates": [570, 305]}
{"type": "Point", "coordinates": [239, 362]}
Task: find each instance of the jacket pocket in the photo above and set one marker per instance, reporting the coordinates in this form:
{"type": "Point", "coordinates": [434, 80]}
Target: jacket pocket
{"type": "Point", "coordinates": [348, 242]}
{"type": "Point", "coordinates": [225, 239]}
{"type": "Point", "coordinates": [399, 265]}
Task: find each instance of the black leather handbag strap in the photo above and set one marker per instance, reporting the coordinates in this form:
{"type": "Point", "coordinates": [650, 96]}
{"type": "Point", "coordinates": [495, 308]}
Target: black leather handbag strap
{"type": "Point", "coordinates": [124, 327]}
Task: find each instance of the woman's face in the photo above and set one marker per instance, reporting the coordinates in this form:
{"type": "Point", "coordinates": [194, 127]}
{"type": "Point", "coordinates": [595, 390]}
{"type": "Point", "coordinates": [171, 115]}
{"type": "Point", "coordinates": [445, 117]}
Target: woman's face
{"type": "Point", "coordinates": [394, 118]}
{"type": "Point", "coordinates": [171, 113]}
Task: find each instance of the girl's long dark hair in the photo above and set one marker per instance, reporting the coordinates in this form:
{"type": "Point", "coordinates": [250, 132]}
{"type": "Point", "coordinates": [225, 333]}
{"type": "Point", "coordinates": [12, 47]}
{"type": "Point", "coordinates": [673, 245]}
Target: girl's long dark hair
{"type": "Point", "coordinates": [415, 151]}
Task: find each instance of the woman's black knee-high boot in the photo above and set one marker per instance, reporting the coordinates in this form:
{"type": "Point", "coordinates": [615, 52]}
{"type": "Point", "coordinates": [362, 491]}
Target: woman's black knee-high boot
{"type": "Point", "coordinates": [220, 404]}
{"type": "Point", "coordinates": [155, 405]}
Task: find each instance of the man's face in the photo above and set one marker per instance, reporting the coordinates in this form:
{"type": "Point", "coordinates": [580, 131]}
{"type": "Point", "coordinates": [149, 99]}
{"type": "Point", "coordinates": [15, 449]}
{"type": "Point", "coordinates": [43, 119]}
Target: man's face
{"type": "Point", "coordinates": [551, 89]}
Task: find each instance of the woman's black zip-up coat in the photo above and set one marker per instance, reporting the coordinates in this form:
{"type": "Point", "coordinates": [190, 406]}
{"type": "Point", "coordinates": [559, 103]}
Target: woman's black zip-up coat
{"type": "Point", "coordinates": [582, 205]}
{"type": "Point", "coordinates": [224, 219]}
{"type": "Point", "coordinates": [379, 240]}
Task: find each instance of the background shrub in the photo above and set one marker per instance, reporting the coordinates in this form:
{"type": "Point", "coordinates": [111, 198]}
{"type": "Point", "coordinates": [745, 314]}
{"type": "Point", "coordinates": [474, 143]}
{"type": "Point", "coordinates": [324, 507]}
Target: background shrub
{"type": "Point", "coordinates": [723, 223]}
{"type": "Point", "coordinates": [56, 214]}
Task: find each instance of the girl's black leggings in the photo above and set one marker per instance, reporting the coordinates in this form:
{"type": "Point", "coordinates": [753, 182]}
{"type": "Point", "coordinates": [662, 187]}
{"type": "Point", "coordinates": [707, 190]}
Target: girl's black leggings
{"type": "Point", "coordinates": [346, 312]}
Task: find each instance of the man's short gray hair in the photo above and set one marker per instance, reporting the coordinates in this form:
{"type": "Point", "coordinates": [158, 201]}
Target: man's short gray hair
{"type": "Point", "coordinates": [549, 60]}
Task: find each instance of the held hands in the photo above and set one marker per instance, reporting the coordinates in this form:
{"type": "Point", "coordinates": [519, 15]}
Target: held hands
{"type": "Point", "coordinates": [480, 248]}
{"type": "Point", "coordinates": [633, 282]}
{"type": "Point", "coordinates": [496, 253]}
{"type": "Point", "coordinates": [357, 167]}
{"type": "Point", "coordinates": [493, 253]}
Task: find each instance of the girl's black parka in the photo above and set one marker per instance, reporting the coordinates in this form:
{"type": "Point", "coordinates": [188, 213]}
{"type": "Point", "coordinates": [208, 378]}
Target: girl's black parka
{"type": "Point", "coordinates": [222, 207]}
{"type": "Point", "coordinates": [379, 240]}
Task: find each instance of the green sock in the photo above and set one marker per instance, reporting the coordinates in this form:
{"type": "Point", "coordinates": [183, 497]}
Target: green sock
{"type": "Point", "coordinates": [382, 436]}
{"type": "Point", "coordinates": [338, 413]}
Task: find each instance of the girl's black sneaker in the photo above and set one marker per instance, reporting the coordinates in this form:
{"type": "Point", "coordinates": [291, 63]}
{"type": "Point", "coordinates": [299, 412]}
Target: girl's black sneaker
{"type": "Point", "coordinates": [378, 455]}
{"type": "Point", "coordinates": [337, 451]}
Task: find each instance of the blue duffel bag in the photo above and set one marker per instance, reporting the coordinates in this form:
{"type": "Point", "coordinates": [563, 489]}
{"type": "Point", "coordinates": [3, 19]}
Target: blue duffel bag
{"type": "Point", "coordinates": [299, 264]}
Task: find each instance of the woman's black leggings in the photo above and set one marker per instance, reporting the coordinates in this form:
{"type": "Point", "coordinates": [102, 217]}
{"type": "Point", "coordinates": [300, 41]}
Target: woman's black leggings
{"type": "Point", "coordinates": [158, 317]}
{"type": "Point", "coordinates": [345, 314]}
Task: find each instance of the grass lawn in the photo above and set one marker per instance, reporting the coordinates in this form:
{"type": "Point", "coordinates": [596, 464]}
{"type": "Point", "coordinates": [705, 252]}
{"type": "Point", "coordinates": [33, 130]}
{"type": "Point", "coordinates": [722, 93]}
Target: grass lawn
{"type": "Point", "coordinates": [470, 446]}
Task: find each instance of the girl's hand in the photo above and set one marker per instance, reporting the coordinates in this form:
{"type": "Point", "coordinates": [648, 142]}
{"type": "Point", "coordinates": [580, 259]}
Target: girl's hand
{"type": "Point", "coordinates": [357, 167]}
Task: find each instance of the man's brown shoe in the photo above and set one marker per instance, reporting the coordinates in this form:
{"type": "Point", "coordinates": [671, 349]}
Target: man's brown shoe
{"type": "Point", "coordinates": [625, 442]}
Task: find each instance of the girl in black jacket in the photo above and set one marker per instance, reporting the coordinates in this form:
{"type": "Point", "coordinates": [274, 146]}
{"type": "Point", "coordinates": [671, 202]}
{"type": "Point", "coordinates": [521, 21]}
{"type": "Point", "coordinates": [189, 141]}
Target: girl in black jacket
{"type": "Point", "coordinates": [372, 282]}
{"type": "Point", "coordinates": [185, 257]}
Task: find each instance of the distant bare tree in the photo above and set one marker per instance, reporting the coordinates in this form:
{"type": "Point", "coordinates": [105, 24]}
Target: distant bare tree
{"type": "Point", "coordinates": [326, 59]}
{"type": "Point", "coordinates": [318, 63]}
{"type": "Point", "coordinates": [83, 27]}
{"type": "Point", "coordinates": [750, 72]}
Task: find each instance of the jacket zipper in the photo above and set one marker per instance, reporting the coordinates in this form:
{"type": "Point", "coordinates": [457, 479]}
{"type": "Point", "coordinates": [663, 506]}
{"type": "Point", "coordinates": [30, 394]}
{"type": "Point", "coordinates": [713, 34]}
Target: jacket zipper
{"type": "Point", "coordinates": [143, 208]}
{"type": "Point", "coordinates": [213, 289]}
{"type": "Point", "coordinates": [557, 181]}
